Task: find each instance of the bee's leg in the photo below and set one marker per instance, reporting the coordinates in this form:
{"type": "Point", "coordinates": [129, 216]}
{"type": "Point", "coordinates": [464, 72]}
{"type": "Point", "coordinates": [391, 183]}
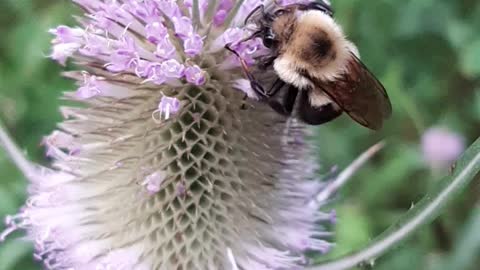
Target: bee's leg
{"type": "Point", "coordinates": [256, 86]}
{"type": "Point", "coordinates": [266, 61]}
{"type": "Point", "coordinates": [286, 106]}
{"type": "Point", "coordinates": [290, 98]}
{"type": "Point", "coordinates": [276, 86]}
{"type": "Point", "coordinates": [316, 115]}
{"type": "Point", "coordinates": [255, 10]}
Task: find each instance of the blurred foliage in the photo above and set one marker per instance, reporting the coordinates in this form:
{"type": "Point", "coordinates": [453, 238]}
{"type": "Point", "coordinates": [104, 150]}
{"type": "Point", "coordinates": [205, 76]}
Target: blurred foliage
{"type": "Point", "coordinates": [426, 52]}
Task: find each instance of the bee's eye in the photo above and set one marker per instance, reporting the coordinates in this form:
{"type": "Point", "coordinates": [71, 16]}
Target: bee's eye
{"type": "Point", "coordinates": [323, 6]}
{"type": "Point", "coordinates": [269, 41]}
{"type": "Point", "coordinates": [280, 12]}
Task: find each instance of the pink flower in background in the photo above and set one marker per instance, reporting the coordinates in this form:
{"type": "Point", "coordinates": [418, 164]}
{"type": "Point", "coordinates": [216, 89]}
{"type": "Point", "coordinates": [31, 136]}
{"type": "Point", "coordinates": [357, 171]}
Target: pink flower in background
{"type": "Point", "coordinates": [163, 166]}
{"type": "Point", "coordinates": [441, 147]}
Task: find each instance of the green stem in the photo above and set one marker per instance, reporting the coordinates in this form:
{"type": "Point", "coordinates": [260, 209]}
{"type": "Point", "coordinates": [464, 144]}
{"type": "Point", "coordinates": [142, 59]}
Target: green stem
{"type": "Point", "coordinates": [15, 154]}
{"type": "Point", "coordinates": [424, 212]}
{"type": "Point", "coordinates": [233, 13]}
{"type": "Point", "coordinates": [467, 247]}
{"type": "Point", "coordinates": [196, 13]}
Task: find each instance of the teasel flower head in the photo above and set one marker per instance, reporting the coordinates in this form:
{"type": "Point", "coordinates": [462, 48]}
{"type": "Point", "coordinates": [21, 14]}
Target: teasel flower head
{"type": "Point", "coordinates": [165, 164]}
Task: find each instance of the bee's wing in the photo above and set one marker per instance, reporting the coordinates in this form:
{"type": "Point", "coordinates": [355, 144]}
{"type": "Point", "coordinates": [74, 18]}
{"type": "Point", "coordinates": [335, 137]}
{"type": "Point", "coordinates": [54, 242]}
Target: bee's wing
{"type": "Point", "coordinates": [359, 94]}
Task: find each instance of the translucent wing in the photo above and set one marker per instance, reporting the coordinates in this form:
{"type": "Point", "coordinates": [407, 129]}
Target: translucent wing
{"type": "Point", "coordinates": [359, 94]}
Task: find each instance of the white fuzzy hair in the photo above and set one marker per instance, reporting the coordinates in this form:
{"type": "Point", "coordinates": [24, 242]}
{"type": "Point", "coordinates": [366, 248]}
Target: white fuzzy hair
{"type": "Point", "coordinates": [286, 66]}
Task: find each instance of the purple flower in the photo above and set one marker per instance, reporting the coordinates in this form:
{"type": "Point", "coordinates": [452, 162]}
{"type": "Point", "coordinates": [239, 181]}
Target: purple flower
{"type": "Point", "coordinates": [95, 46]}
{"type": "Point", "coordinates": [89, 89]}
{"type": "Point", "coordinates": [195, 75]}
{"type": "Point", "coordinates": [153, 181]}
{"type": "Point", "coordinates": [146, 10]}
{"type": "Point", "coordinates": [193, 45]}
{"type": "Point", "coordinates": [203, 4]}
{"type": "Point", "coordinates": [245, 86]}
{"type": "Point", "coordinates": [172, 68]}
{"type": "Point", "coordinates": [155, 32]}
{"type": "Point", "coordinates": [183, 26]}
{"type": "Point", "coordinates": [168, 7]}
{"type": "Point", "coordinates": [181, 190]}
{"type": "Point", "coordinates": [65, 34]}
{"type": "Point", "coordinates": [165, 48]}
{"type": "Point", "coordinates": [225, 5]}
{"type": "Point", "coordinates": [289, 2]}
{"type": "Point", "coordinates": [233, 36]}
{"type": "Point", "coordinates": [61, 52]}
{"type": "Point", "coordinates": [223, 10]}
{"type": "Point", "coordinates": [166, 107]}
{"type": "Point", "coordinates": [220, 17]}
{"type": "Point", "coordinates": [441, 147]}
{"type": "Point", "coordinates": [59, 140]}
{"type": "Point", "coordinates": [154, 73]}
{"type": "Point", "coordinates": [124, 57]}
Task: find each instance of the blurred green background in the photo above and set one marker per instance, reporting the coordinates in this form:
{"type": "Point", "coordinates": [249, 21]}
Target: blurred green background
{"type": "Point", "coordinates": [427, 54]}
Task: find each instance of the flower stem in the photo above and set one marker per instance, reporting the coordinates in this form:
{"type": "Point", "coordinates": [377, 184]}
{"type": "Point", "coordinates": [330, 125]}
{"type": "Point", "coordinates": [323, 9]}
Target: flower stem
{"type": "Point", "coordinates": [14, 153]}
{"type": "Point", "coordinates": [424, 212]}
{"type": "Point", "coordinates": [195, 13]}
{"type": "Point", "coordinates": [348, 172]}
{"type": "Point", "coordinates": [233, 13]}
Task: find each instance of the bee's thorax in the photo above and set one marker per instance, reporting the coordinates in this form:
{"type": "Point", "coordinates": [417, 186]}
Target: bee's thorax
{"type": "Point", "coordinates": [316, 45]}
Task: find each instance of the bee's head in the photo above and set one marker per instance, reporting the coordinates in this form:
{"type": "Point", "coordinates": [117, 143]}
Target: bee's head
{"type": "Point", "coordinates": [272, 26]}
{"type": "Point", "coordinates": [322, 5]}
{"type": "Point", "coordinates": [276, 27]}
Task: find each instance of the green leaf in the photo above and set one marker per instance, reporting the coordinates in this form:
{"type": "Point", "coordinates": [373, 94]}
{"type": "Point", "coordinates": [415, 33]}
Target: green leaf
{"type": "Point", "coordinates": [459, 33]}
{"type": "Point", "coordinates": [468, 247]}
{"type": "Point", "coordinates": [476, 105]}
{"type": "Point", "coordinates": [12, 253]}
{"type": "Point", "coordinates": [424, 212]}
{"type": "Point", "coordinates": [408, 257]}
{"type": "Point", "coordinates": [352, 229]}
{"type": "Point", "coordinates": [400, 98]}
{"type": "Point", "coordinates": [29, 43]}
{"type": "Point", "coordinates": [470, 59]}
{"type": "Point", "coordinates": [23, 7]}
{"type": "Point", "coordinates": [392, 175]}
{"type": "Point", "coordinates": [9, 201]}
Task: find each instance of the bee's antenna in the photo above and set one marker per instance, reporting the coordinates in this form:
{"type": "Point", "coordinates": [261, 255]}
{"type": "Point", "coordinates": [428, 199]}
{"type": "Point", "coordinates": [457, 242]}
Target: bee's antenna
{"type": "Point", "coordinates": [232, 50]}
{"type": "Point", "coordinates": [260, 7]}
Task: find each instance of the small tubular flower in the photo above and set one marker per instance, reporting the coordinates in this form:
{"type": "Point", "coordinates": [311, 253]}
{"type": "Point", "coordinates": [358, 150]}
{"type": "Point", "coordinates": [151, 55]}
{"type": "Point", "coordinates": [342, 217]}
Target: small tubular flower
{"type": "Point", "coordinates": [441, 147]}
{"type": "Point", "coordinates": [166, 165]}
